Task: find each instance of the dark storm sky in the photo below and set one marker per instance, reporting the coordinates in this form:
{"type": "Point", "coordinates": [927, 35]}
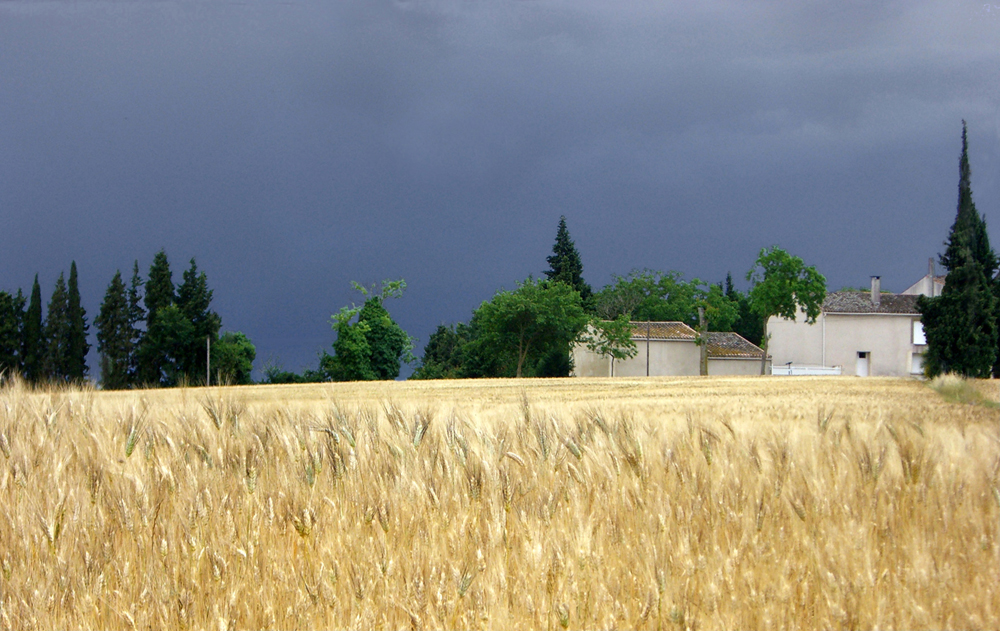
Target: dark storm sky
{"type": "Point", "coordinates": [292, 147]}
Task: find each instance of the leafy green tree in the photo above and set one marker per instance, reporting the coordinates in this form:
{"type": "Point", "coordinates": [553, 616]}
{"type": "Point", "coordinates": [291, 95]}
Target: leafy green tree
{"type": "Point", "coordinates": [351, 359]}
{"type": "Point", "coordinates": [444, 354]}
{"type": "Point", "coordinates": [519, 328]}
{"type": "Point", "coordinates": [747, 323]}
{"type": "Point", "coordinates": [114, 335]}
{"type": "Point", "coordinates": [961, 323]}
{"type": "Point", "coordinates": [11, 323]}
{"type": "Point", "coordinates": [611, 338]}
{"type": "Point", "coordinates": [565, 264]}
{"type": "Point", "coordinates": [33, 337]}
{"type": "Point", "coordinates": [372, 347]}
{"type": "Point", "coordinates": [647, 295]}
{"type": "Point", "coordinates": [782, 285]}
{"type": "Point", "coordinates": [76, 339]}
{"type": "Point", "coordinates": [232, 358]}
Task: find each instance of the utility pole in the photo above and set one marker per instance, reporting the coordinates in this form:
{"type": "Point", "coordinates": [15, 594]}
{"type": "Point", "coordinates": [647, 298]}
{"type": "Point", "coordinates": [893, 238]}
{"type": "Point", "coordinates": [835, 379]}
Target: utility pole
{"type": "Point", "coordinates": [702, 341]}
{"type": "Point", "coordinates": [208, 360]}
{"type": "Point", "coordinates": [647, 348]}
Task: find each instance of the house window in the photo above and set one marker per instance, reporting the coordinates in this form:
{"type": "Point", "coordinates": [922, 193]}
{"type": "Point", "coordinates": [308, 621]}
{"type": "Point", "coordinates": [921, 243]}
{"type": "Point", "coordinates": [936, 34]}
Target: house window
{"type": "Point", "coordinates": [918, 333]}
{"type": "Point", "coordinates": [917, 364]}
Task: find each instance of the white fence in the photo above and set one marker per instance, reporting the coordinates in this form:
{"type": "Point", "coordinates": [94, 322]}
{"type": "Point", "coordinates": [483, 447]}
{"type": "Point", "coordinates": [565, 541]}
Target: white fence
{"type": "Point", "coordinates": [790, 370]}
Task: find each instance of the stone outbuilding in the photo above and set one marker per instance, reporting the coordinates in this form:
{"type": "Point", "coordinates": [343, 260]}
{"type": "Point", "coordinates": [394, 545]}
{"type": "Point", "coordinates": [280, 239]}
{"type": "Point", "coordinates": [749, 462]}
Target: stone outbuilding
{"type": "Point", "coordinates": [671, 349]}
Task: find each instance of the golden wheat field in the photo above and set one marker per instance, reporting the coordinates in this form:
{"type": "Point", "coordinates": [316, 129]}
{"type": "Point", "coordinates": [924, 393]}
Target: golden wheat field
{"type": "Point", "coordinates": [711, 503]}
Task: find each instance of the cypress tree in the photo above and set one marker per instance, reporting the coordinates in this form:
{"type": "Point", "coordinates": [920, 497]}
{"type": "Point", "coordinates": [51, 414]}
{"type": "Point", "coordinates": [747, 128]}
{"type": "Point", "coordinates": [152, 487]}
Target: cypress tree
{"type": "Point", "coordinates": [56, 363]}
{"type": "Point", "coordinates": [114, 335]}
{"type": "Point", "coordinates": [76, 345]}
{"type": "Point", "coordinates": [961, 324]}
{"type": "Point", "coordinates": [565, 264]}
{"type": "Point", "coordinates": [11, 317]}
{"type": "Point", "coordinates": [33, 337]}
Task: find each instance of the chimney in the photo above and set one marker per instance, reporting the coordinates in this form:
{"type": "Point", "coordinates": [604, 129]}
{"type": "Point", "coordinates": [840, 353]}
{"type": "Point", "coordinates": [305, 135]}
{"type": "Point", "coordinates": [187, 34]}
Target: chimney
{"type": "Point", "coordinates": [930, 267]}
{"type": "Point", "coordinates": [876, 291]}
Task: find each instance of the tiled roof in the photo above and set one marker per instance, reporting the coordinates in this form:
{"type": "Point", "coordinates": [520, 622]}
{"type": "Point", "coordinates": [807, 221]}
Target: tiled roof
{"type": "Point", "coordinates": [663, 331]}
{"type": "Point", "coordinates": [861, 302]}
{"type": "Point", "coordinates": [731, 345]}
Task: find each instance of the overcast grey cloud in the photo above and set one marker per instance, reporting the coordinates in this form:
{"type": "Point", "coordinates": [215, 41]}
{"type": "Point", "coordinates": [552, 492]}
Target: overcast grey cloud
{"type": "Point", "coordinates": [292, 147]}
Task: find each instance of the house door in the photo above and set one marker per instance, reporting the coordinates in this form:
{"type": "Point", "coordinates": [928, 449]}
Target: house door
{"type": "Point", "coordinates": [862, 367]}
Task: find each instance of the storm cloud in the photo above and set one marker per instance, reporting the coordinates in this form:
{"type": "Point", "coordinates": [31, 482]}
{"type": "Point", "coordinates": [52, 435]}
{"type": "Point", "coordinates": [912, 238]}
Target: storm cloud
{"type": "Point", "coordinates": [292, 147]}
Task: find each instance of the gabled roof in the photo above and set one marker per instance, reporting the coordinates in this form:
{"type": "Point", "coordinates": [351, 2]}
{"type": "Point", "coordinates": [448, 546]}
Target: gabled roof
{"type": "Point", "coordinates": [663, 331]}
{"type": "Point", "coordinates": [731, 346]}
{"type": "Point", "coordinates": [861, 302]}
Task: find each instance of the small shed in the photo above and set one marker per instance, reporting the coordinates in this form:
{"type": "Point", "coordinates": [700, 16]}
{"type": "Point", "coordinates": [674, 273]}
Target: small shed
{"type": "Point", "coordinates": [671, 349]}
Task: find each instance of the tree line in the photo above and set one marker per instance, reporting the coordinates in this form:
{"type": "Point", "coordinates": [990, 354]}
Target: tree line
{"type": "Point", "coordinates": [149, 333]}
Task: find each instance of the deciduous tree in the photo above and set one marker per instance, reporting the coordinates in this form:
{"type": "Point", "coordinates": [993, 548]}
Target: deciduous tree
{"type": "Point", "coordinates": [521, 327]}
{"type": "Point", "coordinates": [782, 285]}
{"type": "Point", "coordinates": [232, 358]}
{"type": "Point", "coordinates": [611, 338]}
{"type": "Point", "coordinates": [373, 347]}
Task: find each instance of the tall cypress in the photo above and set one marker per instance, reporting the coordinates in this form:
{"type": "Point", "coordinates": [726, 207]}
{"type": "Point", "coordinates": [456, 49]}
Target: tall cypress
{"type": "Point", "coordinates": [33, 337]}
{"type": "Point", "coordinates": [76, 344]}
{"type": "Point", "coordinates": [114, 336]}
{"type": "Point", "coordinates": [961, 324]}
{"type": "Point", "coordinates": [56, 364]}
{"type": "Point", "coordinates": [11, 317]}
{"type": "Point", "coordinates": [565, 264]}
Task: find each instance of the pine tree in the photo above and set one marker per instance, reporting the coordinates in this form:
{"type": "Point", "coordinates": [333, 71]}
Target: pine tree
{"type": "Point", "coordinates": [961, 323]}
{"type": "Point", "coordinates": [11, 318]}
{"type": "Point", "coordinates": [136, 314]}
{"type": "Point", "coordinates": [57, 333]}
{"type": "Point", "coordinates": [114, 335]}
{"type": "Point", "coordinates": [33, 337]}
{"type": "Point", "coordinates": [159, 287]}
{"type": "Point", "coordinates": [193, 299]}
{"type": "Point", "coordinates": [151, 354]}
{"type": "Point", "coordinates": [76, 344]}
{"type": "Point", "coordinates": [565, 263]}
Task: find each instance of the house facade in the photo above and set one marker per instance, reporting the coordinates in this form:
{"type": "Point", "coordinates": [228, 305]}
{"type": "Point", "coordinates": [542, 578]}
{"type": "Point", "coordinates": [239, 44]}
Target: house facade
{"type": "Point", "coordinates": [863, 333]}
{"type": "Point", "coordinates": [671, 349]}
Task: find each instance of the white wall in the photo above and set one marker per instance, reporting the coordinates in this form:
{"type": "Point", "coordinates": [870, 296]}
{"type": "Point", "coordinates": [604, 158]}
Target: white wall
{"type": "Point", "coordinates": [733, 366]}
{"type": "Point", "coordinates": [666, 357]}
{"type": "Point", "coordinates": [887, 337]}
